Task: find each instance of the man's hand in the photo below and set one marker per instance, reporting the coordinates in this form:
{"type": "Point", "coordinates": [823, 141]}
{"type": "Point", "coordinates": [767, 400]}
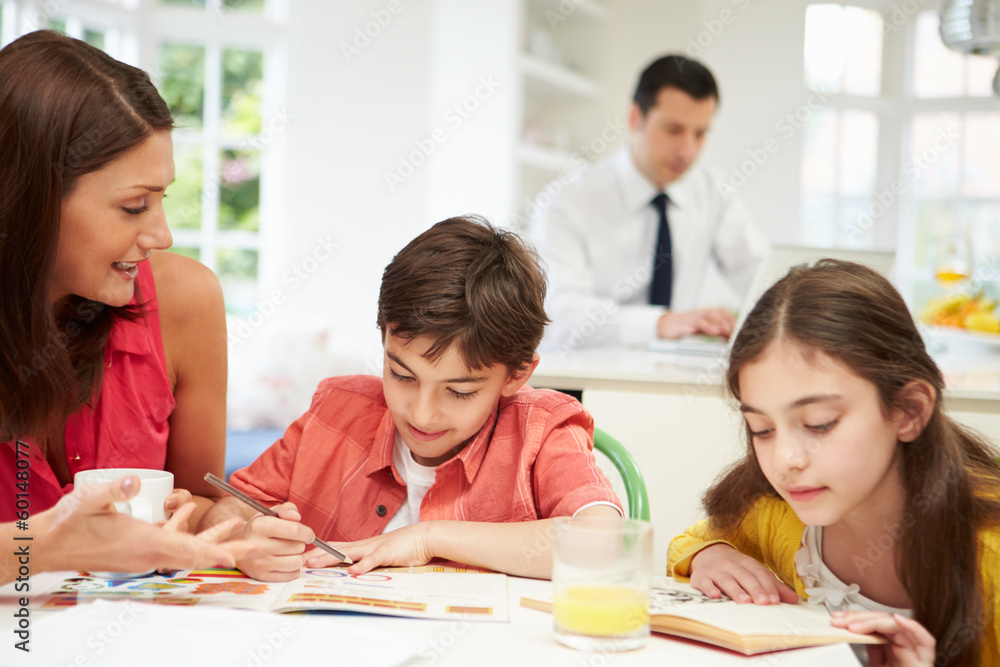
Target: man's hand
{"type": "Point", "coordinates": [708, 321]}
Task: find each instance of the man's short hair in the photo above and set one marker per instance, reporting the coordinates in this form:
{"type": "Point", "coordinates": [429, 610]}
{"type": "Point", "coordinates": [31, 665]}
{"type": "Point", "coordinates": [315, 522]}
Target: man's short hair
{"type": "Point", "coordinates": [467, 282]}
{"type": "Point", "coordinates": [674, 71]}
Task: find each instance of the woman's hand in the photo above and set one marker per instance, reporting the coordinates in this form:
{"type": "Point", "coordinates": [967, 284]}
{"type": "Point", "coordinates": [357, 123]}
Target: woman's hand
{"type": "Point", "coordinates": [722, 570]}
{"type": "Point", "coordinates": [85, 532]}
{"type": "Point", "coordinates": [910, 644]}
{"type": "Point", "coordinates": [177, 499]}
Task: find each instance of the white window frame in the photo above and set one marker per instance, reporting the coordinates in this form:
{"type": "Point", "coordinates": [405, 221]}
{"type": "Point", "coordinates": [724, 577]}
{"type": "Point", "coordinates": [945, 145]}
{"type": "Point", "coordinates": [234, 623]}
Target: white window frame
{"type": "Point", "coordinates": [134, 30]}
{"type": "Point", "coordinates": [895, 107]}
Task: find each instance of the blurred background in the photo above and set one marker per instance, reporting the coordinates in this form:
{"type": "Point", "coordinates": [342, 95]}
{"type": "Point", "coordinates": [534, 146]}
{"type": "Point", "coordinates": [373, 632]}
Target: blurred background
{"type": "Point", "coordinates": [316, 137]}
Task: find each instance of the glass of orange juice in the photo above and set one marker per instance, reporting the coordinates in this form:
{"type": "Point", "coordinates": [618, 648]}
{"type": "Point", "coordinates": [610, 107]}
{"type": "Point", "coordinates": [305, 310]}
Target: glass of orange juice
{"type": "Point", "coordinates": [601, 572]}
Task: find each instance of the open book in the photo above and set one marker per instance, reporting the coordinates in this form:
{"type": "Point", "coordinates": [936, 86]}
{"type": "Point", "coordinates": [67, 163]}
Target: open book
{"type": "Point", "coordinates": [680, 610]}
{"type": "Point", "coordinates": [431, 591]}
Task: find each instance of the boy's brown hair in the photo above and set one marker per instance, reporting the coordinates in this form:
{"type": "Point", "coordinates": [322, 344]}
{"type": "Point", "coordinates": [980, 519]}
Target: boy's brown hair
{"type": "Point", "coordinates": [465, 281]}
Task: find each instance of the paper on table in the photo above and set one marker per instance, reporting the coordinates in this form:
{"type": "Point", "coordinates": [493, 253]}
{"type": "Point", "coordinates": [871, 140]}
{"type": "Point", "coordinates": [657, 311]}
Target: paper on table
{"type": "Point", "coordinates": [126, 634]}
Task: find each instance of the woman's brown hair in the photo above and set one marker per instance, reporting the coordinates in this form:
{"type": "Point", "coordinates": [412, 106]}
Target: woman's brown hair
{"type": "Point", "coordinates": [66, 109]}
{"type": "Point", "coordinates": [852, 314]}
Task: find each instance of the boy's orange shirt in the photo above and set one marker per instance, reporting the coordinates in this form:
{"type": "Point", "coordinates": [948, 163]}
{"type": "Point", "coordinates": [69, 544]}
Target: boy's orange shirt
{"type": "Point", "coordinates": [531, 460]}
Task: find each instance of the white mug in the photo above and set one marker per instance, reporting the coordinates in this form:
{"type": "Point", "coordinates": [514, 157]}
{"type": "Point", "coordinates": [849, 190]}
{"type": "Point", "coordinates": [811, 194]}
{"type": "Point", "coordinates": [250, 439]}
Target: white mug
{"type": "Point", "coordinates": [147, 505]}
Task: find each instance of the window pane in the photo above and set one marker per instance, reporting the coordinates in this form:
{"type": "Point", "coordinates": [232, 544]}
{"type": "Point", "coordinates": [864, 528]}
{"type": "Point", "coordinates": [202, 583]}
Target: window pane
{"type": "Point", "coordinates": [183, 82]}
{"type": "Point", "coordinates": [819, 153]}
{"type": "Point", "coordinates": [193, 253]}
{"type": "Point", "coordinates": [244, 5]}
{"type": "Point", "coordinates": [983, 218]}
{"type": "Point", "coordinates": [938, 71]}
{"type": "Point", "coordinates": [239, 191]}
{"type": "Point", "coordinates": [238, 275]}
{"type": "Point", "coordinates": [858, 152]}
{"type": "Point", "coordinates": [824, 48]}
{"type": "Point", "coordinates": [242, 83]}
{"type": "Point", "coordinates": [982, 155]}
{"type": "Point", "coordinates": [862, 35]}
{"type": "Point", "coordinates": [189, 3]}
{"type": "Point", "coordinates": [818, 222]}
{"type": "Point", "coordinates": [58, 25]}
{"type": "Point", "coordinates": [980, 71]}
{"type": "Point", "coordinates": [859, 219]}
{"type": "Point", "coordinates": [934, 154]}
{"type": "Point", "coordinates": [936, 221]}
{"type": "Point", "coordinates": [94, 38]}
{"type": "Point", "coordinates": [183, 202]}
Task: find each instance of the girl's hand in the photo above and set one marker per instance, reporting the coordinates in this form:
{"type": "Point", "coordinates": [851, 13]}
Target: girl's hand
{"type": "Point", "coordinates": [910, 645]}
{"type": "Point", "coordinates": [721, 569]}
{"type": "Point", "coordinates": [405, 546]}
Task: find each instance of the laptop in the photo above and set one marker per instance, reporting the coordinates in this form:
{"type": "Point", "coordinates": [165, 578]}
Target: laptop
{"type": "Point", "coordinates": [777, 262]}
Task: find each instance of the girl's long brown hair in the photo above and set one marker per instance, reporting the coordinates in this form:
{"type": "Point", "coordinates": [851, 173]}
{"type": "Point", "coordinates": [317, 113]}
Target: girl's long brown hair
{"type": "Point", "coordinates": [66, 109]}
{"type": "Point", "coordinates": [851, 313]}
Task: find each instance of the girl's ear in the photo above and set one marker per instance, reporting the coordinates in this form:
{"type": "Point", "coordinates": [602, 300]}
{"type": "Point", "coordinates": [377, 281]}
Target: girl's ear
{"type": "Point", "coordinates": [518, 379]}
{"type": "Point", "coordinates": [917, 399]}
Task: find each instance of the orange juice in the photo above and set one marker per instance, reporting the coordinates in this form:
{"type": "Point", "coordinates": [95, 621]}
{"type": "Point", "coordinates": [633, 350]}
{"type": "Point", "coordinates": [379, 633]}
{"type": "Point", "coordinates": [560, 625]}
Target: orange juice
{"type": "Point", "coordinates": [601, 611]}
{"type": "Point", "coordinates": [949, 277]}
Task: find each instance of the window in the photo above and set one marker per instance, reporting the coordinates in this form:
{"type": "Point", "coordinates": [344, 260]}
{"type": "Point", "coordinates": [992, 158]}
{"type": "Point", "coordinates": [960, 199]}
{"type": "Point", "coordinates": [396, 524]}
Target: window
{"type": "Point", "coordinates": [215, 75]}
{"type": "Point", "coordinates": [215, 92]}
{"type": "Point", "coordinates": [906, 152]}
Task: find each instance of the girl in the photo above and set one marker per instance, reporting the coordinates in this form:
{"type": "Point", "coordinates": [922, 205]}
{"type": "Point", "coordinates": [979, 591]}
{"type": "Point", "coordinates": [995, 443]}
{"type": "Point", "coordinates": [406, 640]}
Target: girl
{"type": "Point", "coordinates": [113, 352]}
{"type": "Point", "coordinates": [857, 491]}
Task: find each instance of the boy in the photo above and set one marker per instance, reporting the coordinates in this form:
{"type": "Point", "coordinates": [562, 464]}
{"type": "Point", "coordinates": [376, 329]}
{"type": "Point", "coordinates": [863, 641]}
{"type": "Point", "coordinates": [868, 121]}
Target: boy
{"type": "Point", "coordinates": [445, 456]}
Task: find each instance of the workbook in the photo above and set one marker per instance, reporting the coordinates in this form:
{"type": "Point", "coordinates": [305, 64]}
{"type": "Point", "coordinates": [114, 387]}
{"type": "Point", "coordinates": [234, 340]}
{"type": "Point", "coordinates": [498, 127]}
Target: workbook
{"type": "Point", "coordinates": [678, 609]}
{"type": "Point", "coordinates": [431, 591]}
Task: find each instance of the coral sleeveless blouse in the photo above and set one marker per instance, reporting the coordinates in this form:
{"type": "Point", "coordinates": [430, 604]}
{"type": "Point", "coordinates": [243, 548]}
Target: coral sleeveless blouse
{"type": "Point", "coordinates": [123, 426]}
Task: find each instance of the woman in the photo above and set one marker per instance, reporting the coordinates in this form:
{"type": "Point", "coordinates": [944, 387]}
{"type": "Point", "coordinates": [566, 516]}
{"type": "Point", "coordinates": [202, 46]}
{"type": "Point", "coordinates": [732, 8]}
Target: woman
{"type": "Point", "coordinates": [113, 351]}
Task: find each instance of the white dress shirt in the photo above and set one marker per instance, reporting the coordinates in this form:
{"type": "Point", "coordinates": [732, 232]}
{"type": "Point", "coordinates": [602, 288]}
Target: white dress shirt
{"type": "Point", "coordinates": [597, 240]}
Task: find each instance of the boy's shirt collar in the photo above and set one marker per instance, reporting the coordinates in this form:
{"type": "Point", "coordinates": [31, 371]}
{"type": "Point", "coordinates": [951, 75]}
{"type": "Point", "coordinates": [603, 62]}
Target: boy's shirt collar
{"type": "Point", "coordinates": [471, 456]}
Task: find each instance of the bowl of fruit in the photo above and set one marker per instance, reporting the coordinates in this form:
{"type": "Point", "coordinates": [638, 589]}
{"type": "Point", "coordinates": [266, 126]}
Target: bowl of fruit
{"type": "Point", "coordinates": [959, 320]}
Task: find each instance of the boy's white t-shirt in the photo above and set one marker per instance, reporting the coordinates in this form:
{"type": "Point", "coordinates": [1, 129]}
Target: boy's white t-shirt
{"type": "Point", "coordinates": [418, 479]}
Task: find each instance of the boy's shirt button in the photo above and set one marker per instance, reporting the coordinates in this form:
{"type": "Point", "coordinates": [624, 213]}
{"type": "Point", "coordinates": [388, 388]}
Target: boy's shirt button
{"type": "Point", "coordinates": [380, 510]}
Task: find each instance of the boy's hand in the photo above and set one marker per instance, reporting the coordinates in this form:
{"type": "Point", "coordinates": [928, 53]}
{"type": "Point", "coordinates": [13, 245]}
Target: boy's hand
{"type": "Point", "coordinates": [281, 542]}
{"type": "Point", "coordinates": [722, 569]}
{"type": "Point", "coordinates": [407, 546]}
{"type": "Point", "coordinates": [910, 644]}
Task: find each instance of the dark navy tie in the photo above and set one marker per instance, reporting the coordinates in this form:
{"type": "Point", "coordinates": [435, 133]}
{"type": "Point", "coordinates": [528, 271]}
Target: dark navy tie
{"type": "Point", "coordinates": [663, 261]}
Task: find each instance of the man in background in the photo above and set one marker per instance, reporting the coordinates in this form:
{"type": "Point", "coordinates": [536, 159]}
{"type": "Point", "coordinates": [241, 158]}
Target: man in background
{"type": "Point", "coordinates": [629, 242]}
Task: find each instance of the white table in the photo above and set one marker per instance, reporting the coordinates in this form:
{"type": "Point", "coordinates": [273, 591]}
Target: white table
{"type": "Point", "coordinates": [525, 640]}
{"type": "Point", "coordinates": [672, 413]}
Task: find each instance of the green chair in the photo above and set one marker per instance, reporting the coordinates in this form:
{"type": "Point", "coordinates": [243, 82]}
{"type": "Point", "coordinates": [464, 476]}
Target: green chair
{"type": "Point", "coordinates": [635, 487]}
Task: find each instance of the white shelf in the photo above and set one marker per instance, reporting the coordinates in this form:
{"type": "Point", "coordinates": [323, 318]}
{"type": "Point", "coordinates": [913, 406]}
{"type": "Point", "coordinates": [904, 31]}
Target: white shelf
{"type": "Point", "coordinates": [556, 80]}
{"type": "Point", "coordinates": [543, 157]}
{"type": "Point", "coordinates": [589, 8]}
